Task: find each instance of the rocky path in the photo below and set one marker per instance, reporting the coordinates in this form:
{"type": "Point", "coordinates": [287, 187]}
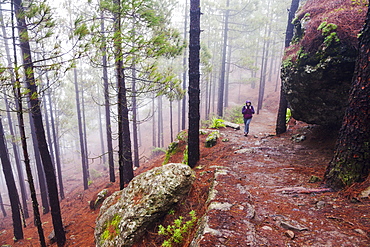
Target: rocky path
{"type": "Point", "coordinates": [265, 193]}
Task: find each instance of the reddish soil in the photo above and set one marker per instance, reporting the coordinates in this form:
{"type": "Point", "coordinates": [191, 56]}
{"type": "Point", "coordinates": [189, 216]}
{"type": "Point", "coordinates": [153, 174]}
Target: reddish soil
{"type": "Point", "coordinates": [262, 177]}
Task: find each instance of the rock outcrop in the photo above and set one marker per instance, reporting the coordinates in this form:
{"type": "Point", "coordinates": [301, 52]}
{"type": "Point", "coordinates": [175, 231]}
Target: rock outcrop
{"type": "Point", "coordinates": [126, 214]}
{"type": "Point", "coordinates": [318, 66]}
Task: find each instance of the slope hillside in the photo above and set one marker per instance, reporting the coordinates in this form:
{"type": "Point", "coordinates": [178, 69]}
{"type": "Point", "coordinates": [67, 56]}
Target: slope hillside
{"type": "Point", "coordinates": [266, 192]}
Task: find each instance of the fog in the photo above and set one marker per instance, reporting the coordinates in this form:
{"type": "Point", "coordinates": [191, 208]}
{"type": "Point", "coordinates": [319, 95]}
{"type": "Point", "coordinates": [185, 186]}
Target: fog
{"type": "Point", "coordinates": [254, 49]}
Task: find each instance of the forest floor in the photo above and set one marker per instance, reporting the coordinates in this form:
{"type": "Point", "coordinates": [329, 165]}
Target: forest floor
{"type": "Point", "coordinates": [268, 193]}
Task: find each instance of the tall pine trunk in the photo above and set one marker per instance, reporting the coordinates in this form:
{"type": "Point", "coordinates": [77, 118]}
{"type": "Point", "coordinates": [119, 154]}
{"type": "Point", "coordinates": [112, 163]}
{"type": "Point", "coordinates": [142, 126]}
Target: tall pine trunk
{"type": "Point", "coordinates": [221, 85]}
{"type": "Point", "coordinates": [108, 127]}
{"type": "Point", "coordinates": [19, 107]}
{"type": "Point", "coordinates": [351, 161]}
{"type": "Point", "coordinates": [124, 142]}
{"type": "Point", "coordinates": [2, 206]}
{"type": "Point", "coordinates": [35, 204]}
{"type": "Point", "coordinates": [56, 146]}
{"type": "Point", "coordinates": [183, 112]}
{"type": "Point", "coordinates": [39, 127]}
{"type": "Point", "coordinates": [81, 134]}
{"type": "Point", "coordinates": [135, 132]}
{"type": "Point", "coordinates": [265, 54]}
{"type": "Point", "coordinates": [10, 122]}
{"type": "Point", "coordinates": [12, 188]}
{"type": "Point", "coordinates": [283, 103]}
{"type": "Point", "coordinates": [194, 76]}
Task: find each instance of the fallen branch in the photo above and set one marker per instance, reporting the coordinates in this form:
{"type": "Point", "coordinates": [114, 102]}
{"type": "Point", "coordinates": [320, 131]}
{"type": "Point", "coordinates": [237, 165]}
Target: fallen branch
{"type": "Point", "coordinates": [232, 125]}
{"type": "Point", "coordinates": [303, 190]}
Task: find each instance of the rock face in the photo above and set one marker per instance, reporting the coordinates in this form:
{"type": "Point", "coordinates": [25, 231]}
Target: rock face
{"type": "Point", "coordinates": [318, 66]}
{"type": "Point", "coordinates": [126, 214]}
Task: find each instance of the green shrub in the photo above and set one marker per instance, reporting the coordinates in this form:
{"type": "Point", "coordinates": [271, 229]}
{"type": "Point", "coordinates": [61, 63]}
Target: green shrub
{"type": "Point", "coordinates": [182, 136]}
{"type": "Point", "coordinates": [234, 115]}
{"type": "Point", "coordinates": [217, 123]}
{"type": "Point", "coordinates": [186, 157]}
{"type": "Point", "coordinates": [288, 115]}
{"type": "Point", "coordinates": [177, 231]}
{"type": "Point", "coordinates": [172, 149]}
{"type": "Point", "coordinates": [211, 139]}
{"type": "Point", "coordinates": [328, 31]}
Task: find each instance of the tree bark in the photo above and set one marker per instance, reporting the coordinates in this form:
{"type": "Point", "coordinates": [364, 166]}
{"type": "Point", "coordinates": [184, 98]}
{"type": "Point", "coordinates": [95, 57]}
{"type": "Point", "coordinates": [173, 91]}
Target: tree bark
{"type": "Point", "coordinates": [39, 166]}
{"type": "Point", "coordinates": [35, 204]}
{"type": "Point", "coordinates": [22, 184]}
{"type": "Point", "coordinates": [283, 103]}
{"type": "Point", "coordinates": [2, 206]}
{"type": "Point", "coordinates": [227, 81]}
{"type": "Point", "coordinates": [112, 177]}
{"type": "Point", "coordinates": [124, 141]}
{"type": "Point", "coordinates": [56, 148]}
{"type": "Point", "coordinates": [135, 118]}
{"type": "Point", "coordinates": [39, 128]}
{"type": "Point", "coordinates": [81, 134]}
{"type": "Point", "coordinates": [221, 85]}
{"type": "Point", "coordinates": [154, 133]}
{"type": "Point", "coordinates": [12, 188]}
{"type": "Point", "coordinates": [265, 54]}
{"type": "Point", "coordinates": [183, 112]}
{"type": "Point", "coordinates": [193, 90]}
{"type": "Point", "coordinates": [351, 161]}
{"type": "Point", "coordinates": [83, 112]}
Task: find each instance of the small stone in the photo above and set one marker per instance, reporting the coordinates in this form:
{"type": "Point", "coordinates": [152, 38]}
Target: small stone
{"type": "Point", "coordinates": [320, 204]}
{"type": "Point", "coordinates": [362, 232]}
{"type": "Point", "coordinates": [290, 234]}
{"type": "Point", "coordinates": [267, 228]}
{"type": "Point", "coordinates": [365, 193]}
{"type": "Point", "coordinates": [288, 226]}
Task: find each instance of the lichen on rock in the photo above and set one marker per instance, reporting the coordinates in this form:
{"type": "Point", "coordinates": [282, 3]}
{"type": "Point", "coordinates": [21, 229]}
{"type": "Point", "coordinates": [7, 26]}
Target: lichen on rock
{"type": "Point", "coordinates": [318, 66]}
{"type": "Point", "coordinates": [126, 214]}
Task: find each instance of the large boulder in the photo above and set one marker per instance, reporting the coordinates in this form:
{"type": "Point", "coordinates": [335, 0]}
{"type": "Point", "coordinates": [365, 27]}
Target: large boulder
{"type": "Point", "coordinates": [318, 66]}
{"type": "Point", "coordinates": [126, 214]}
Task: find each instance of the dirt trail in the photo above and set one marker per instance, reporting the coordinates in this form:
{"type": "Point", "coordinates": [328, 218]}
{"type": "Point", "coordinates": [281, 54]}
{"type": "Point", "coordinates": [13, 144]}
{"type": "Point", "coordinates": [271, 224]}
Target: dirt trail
{"type": "Point", "coordinates": [262, 195]}
{"type": "Point", "coordinates": [251, 203]}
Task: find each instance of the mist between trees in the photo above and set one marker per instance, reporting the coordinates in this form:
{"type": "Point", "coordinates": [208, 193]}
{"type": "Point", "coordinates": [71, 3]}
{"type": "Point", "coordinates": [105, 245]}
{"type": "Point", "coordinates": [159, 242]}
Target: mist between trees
{"type": "Point", "coordinates": [106, 82]}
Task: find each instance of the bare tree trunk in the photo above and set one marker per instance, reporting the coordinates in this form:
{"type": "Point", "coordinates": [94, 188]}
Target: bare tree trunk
{"type": "Point", "coordinates": [171, 122]}
{"type": "Point", "coordinates": [108, 127]}
{"type": "Point", "coordinates": [221, 85]}
{"type": "Point", "coordinates": [81, 134]}
{"type": "Point", "coordinates": [12, 188]}
{"type": "Point", "coordinates": [134, 118]}
{"type": "Point", "coordinates": [265, 54]}
{"type": "Point", "coordinates": [19, 107]}
{"type": "Point", "coordinates": [283, 103]}
{"type": "Point", "coordinates": [227, 81]}
{"type": "Point", "coordinates": [124, 139]}
{"type": "Point", "coordinates": [56, 144]}
{"type": "Point", "coordinates": [22, 184]}
{"type": "Point", "coordinates": [194, 75]}
{"type": "Point", "coordinates": [160, 122]}
{"type": "Point", "coordinates": [83, 111]}
{"type": "Point", "coordinates": [183, 122]}
{"type": "Point", "coordinates": [179, 114]}
{"type": "Point", "coordinates": [21, 179]}
{"type": "Point", "coordinates": [39, 127]}
{"type": "Point", "coordinates": [154, 124]}
{"type": "Point", "coordinates": [351, 161]}
{"type": "Point", "coordinates": [35, 204]}
{"type": "Point", "coordinates": [2, 206]}
{"type": "Point", "coordinates": [102, 146]}
{"type": "Point", "coordinates": [40, 168]}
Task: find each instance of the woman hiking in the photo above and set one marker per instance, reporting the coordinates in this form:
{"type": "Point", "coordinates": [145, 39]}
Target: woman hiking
{"type": "Point", "coordinates": [247, 112]}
